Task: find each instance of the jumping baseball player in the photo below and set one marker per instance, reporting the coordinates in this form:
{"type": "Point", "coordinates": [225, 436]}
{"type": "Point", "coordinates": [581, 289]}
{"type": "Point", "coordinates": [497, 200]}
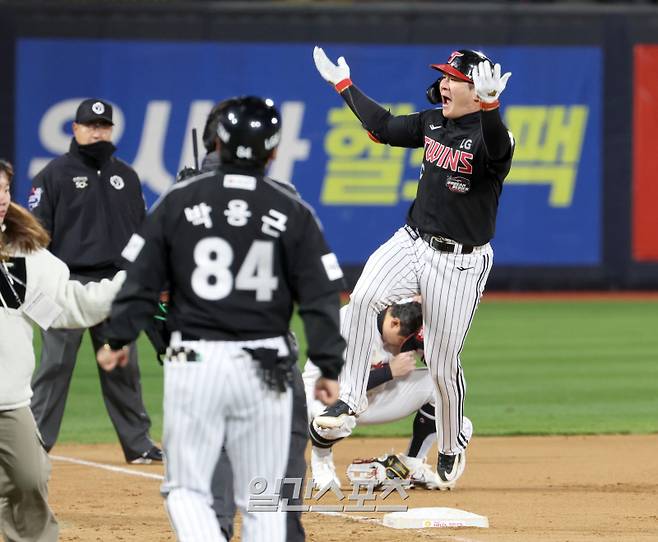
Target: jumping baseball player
{"type": "Point", "coordinates": [237, 251]}
{"type": "Point", "coordinates": [396, 388]}
{"type": "Point", "coordinates": [443, 251]}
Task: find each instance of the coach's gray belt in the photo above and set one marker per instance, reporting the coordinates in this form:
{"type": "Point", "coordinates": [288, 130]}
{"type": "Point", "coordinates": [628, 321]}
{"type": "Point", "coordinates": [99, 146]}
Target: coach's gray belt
{"type": "Point", "coordinates": [445, 245]}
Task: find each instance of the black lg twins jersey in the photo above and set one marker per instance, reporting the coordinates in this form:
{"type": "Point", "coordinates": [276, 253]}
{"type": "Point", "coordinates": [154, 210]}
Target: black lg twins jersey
{"type": "Point", "coordinates": [460, 184]}
{"type": "Point", "coordinates": [237, 251]}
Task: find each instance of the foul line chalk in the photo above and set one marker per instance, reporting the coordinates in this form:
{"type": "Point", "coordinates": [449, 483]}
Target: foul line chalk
{"type": "Point", "coordinates": [110, 468]}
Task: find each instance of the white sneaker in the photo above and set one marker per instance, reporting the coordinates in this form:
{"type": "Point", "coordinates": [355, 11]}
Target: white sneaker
{"type": "Point", "coordinates": [323, 469]}
{"type": "Point", "coordinates": [422, 474]}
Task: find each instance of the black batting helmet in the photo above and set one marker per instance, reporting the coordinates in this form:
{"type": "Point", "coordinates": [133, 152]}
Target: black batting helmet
{"type": "Point", "coordinates": [248, 128]}
{"type": "Point", "coordinates": [462, 63]}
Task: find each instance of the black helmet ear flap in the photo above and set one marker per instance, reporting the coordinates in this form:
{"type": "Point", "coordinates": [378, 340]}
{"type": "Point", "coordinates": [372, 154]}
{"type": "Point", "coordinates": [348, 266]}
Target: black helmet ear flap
{"type": "Point", "coordinates": [434, 93]}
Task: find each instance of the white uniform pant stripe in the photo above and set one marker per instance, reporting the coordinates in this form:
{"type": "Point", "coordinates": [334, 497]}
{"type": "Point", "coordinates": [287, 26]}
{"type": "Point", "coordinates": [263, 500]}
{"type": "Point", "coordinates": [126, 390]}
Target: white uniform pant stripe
{"type": "Point", "coordinates": [222, 400]}
{"type": "Point", "coordinates": [386, 278]}
{"type": "Point", "coordinates": [464, 323]}
{"type": "Point", "coordinates": [188, 471]}
{"type": "Point", "coordinates": [384, 282]}
{"type": "Point", "coordinates": [451, 286]}
{"type": "Point", "coordinates": [450, 296]}
{"type": "Point", "coordinates": [260, 450]}
{"type": "Point", "coordinates": [463, 437]}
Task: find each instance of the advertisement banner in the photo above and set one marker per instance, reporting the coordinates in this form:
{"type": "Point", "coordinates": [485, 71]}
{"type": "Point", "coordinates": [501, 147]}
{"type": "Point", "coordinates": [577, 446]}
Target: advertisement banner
{"type": "Point", "coordinates": [550, 210]}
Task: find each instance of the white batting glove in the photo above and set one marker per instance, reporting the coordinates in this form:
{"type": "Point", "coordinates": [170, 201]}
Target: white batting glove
{"type": "Point", "coordinates": [489, 84]}
{"type": "Point", "coordinates": [333, 73]}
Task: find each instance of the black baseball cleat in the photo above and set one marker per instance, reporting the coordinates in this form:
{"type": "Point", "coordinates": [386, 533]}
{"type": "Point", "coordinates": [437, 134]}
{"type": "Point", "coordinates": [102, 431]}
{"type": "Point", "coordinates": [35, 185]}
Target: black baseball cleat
{"type": "Point", "coordinates": [152, 455]}
{"type": "Point", "coordinates": [450, 468]}
{"type": "Point", "coordinates": [334, 416]}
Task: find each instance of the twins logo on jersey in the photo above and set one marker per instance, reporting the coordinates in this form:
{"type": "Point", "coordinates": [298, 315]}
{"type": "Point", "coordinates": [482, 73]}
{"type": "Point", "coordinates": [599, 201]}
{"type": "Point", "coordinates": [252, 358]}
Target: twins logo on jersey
{"type": "Point", "coordinates": [448, 158]}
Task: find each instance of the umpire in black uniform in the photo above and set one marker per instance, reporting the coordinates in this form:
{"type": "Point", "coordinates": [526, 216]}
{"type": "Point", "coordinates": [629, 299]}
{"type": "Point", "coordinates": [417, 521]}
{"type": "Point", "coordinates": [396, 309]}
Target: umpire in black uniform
{"type": "Point", "coordinates": [90, 203]}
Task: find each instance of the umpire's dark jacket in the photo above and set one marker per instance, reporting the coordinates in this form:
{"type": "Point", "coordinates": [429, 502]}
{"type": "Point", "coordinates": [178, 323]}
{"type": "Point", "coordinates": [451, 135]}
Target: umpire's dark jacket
{"type": "Point", "coordinates": [89, 209]}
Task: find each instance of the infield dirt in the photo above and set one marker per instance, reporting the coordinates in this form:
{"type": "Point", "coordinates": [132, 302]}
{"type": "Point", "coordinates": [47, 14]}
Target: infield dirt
{"type": "Point", "coordinates": [557, 489]}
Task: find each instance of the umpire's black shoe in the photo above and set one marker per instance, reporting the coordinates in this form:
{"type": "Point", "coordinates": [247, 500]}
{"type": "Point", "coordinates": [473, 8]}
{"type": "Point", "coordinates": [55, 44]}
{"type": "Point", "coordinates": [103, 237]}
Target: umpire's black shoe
{"type": "Point", "coordinates": [450, 468]}
{"type": "Point", "coordinates": [153, 454]}
{"type": "Point", "coordinates": [334, 416]}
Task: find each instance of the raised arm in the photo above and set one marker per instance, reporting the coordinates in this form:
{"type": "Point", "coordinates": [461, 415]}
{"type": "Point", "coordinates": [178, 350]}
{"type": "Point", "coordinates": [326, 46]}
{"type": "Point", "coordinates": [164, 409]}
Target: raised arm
{"type": "Point", "coordinates": [489, 85]}
{"type": "Point", "coordinates": [382, 126]}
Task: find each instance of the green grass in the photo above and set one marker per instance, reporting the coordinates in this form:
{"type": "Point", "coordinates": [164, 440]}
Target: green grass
{"type": "Point", "coordinates": [531, 368]}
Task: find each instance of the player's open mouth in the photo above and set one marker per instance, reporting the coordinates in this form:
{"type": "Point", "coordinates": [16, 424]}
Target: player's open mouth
{"type": "Point", "coordinates": [445, 100]}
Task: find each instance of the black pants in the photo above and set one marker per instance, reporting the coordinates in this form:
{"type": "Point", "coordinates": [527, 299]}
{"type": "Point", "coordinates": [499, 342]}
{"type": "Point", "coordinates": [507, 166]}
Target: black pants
{"type": "Point", "coordinates": [122, 389]}
{"type": "Point", "coordinates": [222, 482]}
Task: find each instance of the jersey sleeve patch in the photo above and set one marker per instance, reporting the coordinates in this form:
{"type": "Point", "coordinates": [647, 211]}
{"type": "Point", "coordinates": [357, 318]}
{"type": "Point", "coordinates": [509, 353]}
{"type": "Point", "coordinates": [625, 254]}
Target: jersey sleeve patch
{"type": "Point", "coordinates": [133, 248]}
{"type": "Point", "coordinates": [34, 199]}
{"type": "Point", "coordinates": [331, 267]}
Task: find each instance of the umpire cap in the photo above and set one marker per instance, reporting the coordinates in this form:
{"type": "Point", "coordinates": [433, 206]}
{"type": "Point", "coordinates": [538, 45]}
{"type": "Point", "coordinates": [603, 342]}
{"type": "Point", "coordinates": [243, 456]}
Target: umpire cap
{"type": "Point", "coordinates": [94, 110]}
{"type": "Point", "coordinates": [462, 63]}
{"type": "Point", "coordinates": [249, 129]}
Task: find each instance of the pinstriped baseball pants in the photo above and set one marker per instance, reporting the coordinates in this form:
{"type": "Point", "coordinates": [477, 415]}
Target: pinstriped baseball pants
{"type": "Point", "coordinates": [221, 400]}
{"type": "Point", "coordinates": [451, 286]}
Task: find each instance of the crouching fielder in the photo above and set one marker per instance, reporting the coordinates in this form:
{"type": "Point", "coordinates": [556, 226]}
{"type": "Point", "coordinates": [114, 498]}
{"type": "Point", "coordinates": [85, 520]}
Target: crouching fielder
{"type": "Point", "coordinates": [396, 389]}
{"type": "Point", "coordinates": [34, 288]}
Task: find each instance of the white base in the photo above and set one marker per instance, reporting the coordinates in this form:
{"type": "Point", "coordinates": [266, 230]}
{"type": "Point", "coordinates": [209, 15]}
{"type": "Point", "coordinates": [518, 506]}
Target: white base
{"type": "Point", "coordinates": [419, 518]}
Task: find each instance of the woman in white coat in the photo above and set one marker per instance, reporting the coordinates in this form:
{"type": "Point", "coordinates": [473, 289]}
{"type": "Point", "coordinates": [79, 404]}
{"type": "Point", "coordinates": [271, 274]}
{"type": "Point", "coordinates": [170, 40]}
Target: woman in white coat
{"type": "Point", "coordinates": [34, 289]}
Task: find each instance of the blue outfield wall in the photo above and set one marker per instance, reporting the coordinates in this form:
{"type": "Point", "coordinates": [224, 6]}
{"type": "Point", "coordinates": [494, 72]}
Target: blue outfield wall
{"type": "Point", "coordinates": [551, 207]}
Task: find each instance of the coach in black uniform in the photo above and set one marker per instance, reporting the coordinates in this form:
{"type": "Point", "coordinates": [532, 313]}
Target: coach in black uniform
{"type": "Point", "coordinates": [237, 251]}
{"type": "Point", "coordinates": [222, 481]}
{"type": "Point", "coordinates": [443, 251]}
{"type": "Point", "coordinates": [90, 203]}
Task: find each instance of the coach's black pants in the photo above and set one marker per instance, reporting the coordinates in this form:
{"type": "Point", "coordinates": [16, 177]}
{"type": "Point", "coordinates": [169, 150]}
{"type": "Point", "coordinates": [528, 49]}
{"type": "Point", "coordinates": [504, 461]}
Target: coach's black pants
{"type": "Point", "coordinates": [121, 388]}
{"type": "Point", "coordinates": [222, 482]}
